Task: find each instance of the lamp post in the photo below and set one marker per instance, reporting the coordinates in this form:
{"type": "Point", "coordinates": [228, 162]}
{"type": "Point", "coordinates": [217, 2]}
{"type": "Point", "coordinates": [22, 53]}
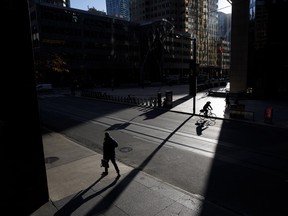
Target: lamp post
{"type": "Point", "coordinates": [181, 76]}
{"type": "Point", "coordinates": [178, 35]}
{"type": "Point", "coordinates": [193, 79]}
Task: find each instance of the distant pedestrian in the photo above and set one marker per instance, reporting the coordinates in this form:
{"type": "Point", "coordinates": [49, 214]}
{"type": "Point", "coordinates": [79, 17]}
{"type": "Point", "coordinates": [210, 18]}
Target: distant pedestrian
{"type": "Point", "coordinates": [109, 146]}
{"type": "Point", "coordinates": [227, 100]}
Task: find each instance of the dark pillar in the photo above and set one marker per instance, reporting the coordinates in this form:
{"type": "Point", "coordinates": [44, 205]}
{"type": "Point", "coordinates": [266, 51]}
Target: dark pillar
{"type": "Point", "coordinates": [159, 99]}
{"type": "Point", "coordinates": [23, 164]}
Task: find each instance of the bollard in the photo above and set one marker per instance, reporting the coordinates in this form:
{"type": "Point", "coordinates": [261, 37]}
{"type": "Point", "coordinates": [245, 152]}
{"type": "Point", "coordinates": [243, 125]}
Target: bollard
{"type": "Point", "coordinates": [169, 100]}
{"type": "Point", "coordinates": [159, 99]}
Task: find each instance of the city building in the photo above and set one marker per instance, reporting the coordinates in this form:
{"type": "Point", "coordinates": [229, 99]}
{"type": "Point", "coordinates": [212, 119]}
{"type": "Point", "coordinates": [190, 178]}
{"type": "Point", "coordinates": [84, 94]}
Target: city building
{"type": "Point", "coordinates": [118, 8]}
{"type": "Point", "coordinates": [224, 43]}
{"type": "Point", "coordinates": [199, 18]}
{"type": "Point", "coordinates": [62, 3]}
{"type": "Point", "coordinates": [224, 26]}
{"type": "Point", "coordinates": [87, 46]}
{"type": "Point", "coordinates": [166, 53]}
{"type": "Point", "coordinates": [223, 59]}
{"type": "Point", "coordinates": [97, 49]}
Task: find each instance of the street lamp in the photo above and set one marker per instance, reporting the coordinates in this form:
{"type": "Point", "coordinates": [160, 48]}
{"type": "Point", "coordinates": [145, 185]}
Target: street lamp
{"type": "Point", "coordinates": [178, 36]}
{"type": "Point", "coordinates": [193, 80]}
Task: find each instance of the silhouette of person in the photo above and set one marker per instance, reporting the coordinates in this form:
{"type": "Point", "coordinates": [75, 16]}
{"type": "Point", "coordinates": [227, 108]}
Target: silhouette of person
{"type": "Point", "coordinates": [227, 100]}
{"type": "Point", "coordinates": [207, 107]}
{"type": "Point", "coordinates": [109, 146]}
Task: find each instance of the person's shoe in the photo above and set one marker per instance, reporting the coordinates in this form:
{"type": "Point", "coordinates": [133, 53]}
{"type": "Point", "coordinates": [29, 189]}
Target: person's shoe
{"type": "Point", "coordinates": [104, 173]}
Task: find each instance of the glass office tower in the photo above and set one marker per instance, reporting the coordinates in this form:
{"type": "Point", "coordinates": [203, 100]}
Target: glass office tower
{"type": "Point", "coordinates": [118, 8]}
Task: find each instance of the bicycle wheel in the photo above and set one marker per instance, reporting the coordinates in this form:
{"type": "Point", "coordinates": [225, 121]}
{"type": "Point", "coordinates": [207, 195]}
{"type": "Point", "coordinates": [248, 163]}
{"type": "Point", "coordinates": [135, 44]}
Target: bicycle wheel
{"type": "Point", "coordinates": [212, 116]}
{"type": "Point", "coordinates": [201, 118]}
{"type": "Point", "coordinates": [210, 123]}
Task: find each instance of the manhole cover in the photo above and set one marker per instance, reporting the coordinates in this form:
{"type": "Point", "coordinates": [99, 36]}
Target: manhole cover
{"type": "Point", "coordinates": [50, 160]}
{"type": "Point", "coordinates": [126, 149]}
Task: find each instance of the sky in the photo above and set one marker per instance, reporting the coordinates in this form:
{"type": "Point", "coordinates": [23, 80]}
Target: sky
{"type": "Point", "coordinates": [100, 5]}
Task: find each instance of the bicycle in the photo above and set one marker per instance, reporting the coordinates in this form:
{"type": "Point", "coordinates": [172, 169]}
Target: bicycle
{"type": "Point", "coordinates": [210, 116]}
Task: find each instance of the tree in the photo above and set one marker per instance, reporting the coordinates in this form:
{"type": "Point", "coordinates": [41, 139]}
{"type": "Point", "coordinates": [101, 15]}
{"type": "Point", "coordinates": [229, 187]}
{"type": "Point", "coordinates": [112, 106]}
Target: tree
{"type": "Point", "coordinates": [57, 64]}
{"type": "Point", "coordinates": [51, 68]}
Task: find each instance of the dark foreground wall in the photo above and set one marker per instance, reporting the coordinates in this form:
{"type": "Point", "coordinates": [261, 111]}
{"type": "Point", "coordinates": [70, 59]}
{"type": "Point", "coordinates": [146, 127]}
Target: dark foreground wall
{"type": "Point", "coordinates": [23, 173]}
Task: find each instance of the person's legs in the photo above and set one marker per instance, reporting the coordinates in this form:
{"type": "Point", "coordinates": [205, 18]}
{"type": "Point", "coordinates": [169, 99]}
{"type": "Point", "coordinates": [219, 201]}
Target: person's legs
{"type": "Point", "coordinates": [113, 161]}
{"type": "Point", "coordinates": [106, 168]}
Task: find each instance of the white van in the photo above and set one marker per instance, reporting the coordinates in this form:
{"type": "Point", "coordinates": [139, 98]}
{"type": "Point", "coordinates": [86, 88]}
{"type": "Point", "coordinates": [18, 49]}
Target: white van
{"type": "Point", "coordinates": [44, 87]}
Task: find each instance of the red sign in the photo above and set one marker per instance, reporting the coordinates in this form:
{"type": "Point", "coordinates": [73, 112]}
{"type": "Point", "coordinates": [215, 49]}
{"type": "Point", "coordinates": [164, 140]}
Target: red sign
{"type": "Point", "coordinates": [268, 114]}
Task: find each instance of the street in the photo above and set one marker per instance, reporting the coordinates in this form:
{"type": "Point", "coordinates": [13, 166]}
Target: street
{"type": "Point", "coordinates": [236, 165]}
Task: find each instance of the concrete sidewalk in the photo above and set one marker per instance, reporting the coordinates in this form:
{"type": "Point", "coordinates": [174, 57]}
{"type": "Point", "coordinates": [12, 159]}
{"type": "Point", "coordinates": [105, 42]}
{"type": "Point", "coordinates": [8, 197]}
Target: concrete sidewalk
{"type": "Point", "coordinates": [76, 187]}
{"type": "Point", "coordinates": [182, 102]}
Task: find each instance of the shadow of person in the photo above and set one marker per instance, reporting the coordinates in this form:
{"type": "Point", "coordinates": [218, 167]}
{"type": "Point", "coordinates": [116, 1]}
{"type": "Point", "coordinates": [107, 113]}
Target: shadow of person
{"type": "Point", "coordinates": [84, 196]}
{"type": "Point", "coordinates": [200, 127]}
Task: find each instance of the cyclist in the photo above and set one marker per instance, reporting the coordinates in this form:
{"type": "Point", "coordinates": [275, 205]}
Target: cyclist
{"type": "Point", "coordinates": [207, 107]}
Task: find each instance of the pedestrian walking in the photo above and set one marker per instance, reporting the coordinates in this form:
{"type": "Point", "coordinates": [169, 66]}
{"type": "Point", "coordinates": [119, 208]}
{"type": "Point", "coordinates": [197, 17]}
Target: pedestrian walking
{"type": "Point", "coordinates": [109, 146]}
{"type": "Point", "coordinates": [227, 100]}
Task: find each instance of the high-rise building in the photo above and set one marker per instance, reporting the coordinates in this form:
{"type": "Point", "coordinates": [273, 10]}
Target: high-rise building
{"type": "Point", "coordinates": [224, 43]}
{"type": "Point", "coordinates": [118, 8]}
{"type": "Point", "coordinates": [224, 26]}
{"type": "Point", "coordinates": [96, 47]}
{"type": "Point", "coordinates": [199, 18]}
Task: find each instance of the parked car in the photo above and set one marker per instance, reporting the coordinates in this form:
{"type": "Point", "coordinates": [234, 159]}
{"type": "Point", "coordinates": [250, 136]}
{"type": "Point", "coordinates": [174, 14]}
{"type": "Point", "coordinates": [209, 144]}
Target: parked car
{"type": "Point", "coordinates": [44, 87]}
